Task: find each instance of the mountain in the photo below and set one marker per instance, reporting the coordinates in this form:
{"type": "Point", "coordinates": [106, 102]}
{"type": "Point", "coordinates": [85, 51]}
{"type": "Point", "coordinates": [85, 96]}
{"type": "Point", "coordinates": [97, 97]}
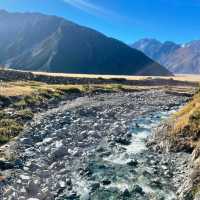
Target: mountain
{"type": "Point", "coordinates": [149, 46]}
{"type": "Point", "coordinates": [33, 41]}
{"type": "Point", "coordinates": [176, 58]}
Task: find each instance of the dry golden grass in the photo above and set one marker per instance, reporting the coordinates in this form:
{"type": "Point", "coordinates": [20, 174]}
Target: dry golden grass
{"type": "Point", "coordinates": [187, 77]}
{"type": "Point", "coordinates": [21, 88]}
{"type": "Point", "coordinates": [15, 91]}
{"type": "Point", "coordinates": [27, 88]}
{"type": "Point", "coordinates": [188, 117]}
{"type": "Point", "coordinates": [92, 76]}
{"type": "Point", "coordinates": [186, 133]}
{"type": "Point", "coordinates": [178, 77]}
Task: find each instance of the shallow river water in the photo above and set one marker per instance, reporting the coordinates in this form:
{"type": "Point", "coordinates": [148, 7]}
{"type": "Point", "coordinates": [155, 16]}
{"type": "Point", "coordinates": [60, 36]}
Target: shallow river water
{"type": "Point", "coordinates": [93, 148]}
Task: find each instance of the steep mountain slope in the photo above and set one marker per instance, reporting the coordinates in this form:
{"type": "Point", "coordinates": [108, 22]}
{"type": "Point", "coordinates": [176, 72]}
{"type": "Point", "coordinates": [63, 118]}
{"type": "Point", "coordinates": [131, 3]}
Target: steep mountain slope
{"type": "Point", "coordinates": [34, 41]}
{"type": "Point", "coordinates": [149, 46]}
{"type": "Point", "coordinates": [176, 58]}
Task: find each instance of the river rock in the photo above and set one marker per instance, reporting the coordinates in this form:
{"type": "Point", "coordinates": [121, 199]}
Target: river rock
{"type": "Point", "coordinates": [59, 153]}
{"type": "Point", "coordinates": [126, 193]}
{"type": "Point", "coordinates": [195, 176]}
{"type": "Point", "coordinates": [138, 189]}
{"type": "Point", "coordinates": [95, 186]}
{"type": "Point", "coordinates": [156, 183]}
{"type": "Point", "coordinates": [5, 165]}
{"type": "Point", "coordinates": [132, 163]}
{"type": "Point", "coordinates": [195, 154]}
{"type": "Point", "coordinates": [185, 191]}
{"type": "Point", "coordinates": [123, 140]}
{"type": "Point", "coordinates": [106, 182]}
{"type": "Point", "coordinates": [33, 188]}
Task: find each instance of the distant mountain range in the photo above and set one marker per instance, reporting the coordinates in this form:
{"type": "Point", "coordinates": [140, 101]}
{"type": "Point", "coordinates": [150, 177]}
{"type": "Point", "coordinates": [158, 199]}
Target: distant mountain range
{"type": "Point", "coordinates": [177, 58]}
{"type": "Point", "coordinates": [32, 41]}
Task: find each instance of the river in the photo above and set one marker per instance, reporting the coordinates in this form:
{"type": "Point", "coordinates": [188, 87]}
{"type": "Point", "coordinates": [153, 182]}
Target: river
{"type": "Point", "coordinates": [93, 148]}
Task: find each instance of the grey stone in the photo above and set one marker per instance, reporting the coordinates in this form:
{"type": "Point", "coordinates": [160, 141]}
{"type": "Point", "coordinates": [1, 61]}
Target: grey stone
{"type": "Point", "coordinates": [138, 189]}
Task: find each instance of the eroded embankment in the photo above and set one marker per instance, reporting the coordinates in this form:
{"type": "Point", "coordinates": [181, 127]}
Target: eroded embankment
{"type": "Point", "coordinates": [94, 148]}
{"type": "Point", "coordinates": [181, 134]}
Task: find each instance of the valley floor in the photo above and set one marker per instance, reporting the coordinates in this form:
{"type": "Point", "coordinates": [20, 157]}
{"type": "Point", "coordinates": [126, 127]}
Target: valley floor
{"type": "Point", "coordinates": [94, 148]}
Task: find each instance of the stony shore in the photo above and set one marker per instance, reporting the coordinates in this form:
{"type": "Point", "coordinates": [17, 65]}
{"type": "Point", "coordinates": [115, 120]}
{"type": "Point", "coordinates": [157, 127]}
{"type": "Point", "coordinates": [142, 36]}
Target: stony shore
{"type": "Point", "coordinates": [94, 148]}
{"type": "Point", "coordinates": [161, 141]}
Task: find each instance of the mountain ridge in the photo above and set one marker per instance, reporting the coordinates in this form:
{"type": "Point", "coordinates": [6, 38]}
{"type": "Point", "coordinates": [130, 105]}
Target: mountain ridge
{"type": "Point", "coordinates": [34, 41]}
{"type": "Point", "coordinates": [178, 58]}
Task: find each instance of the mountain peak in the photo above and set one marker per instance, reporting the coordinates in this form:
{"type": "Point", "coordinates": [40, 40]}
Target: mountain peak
{"type": "Point", "coordinates": [148, 46]}
{"type": "Point", "coordinates": [33, 41]}
{"type": "Point", "coordinates": [177, 58]}
{"type": "Point", "coordinates": [3, 12]}
{"type": "Point", "coordinates": [146, 41]}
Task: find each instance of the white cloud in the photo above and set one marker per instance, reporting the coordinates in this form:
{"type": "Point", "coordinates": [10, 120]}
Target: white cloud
{"type": "Point", "coordinates": [91, 8]}
{"type": "Point", "coordinates": [88, 7]}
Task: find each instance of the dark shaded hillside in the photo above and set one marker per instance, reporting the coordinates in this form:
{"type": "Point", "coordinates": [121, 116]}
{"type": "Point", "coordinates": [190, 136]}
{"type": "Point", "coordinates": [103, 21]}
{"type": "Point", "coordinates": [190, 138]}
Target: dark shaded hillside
{"type": "Point", "coordinates": [34, 41]}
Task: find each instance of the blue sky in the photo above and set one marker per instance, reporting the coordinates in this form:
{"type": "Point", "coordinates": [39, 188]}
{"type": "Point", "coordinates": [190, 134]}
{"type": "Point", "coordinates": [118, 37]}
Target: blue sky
{"type": "Point", "coordinates": [126, 20]}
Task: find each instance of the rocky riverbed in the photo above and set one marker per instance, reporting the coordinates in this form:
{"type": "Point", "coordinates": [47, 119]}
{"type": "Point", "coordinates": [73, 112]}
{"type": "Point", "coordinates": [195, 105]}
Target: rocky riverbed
{"type": "Point", "coordinates": [93, 148]}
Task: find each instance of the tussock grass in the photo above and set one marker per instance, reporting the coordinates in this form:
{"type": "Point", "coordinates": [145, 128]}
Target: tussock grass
{"type": "Point", "coordinates": [25, 114]}
{"type": "Point", "coordinates": [4, 139]}
{"type": "Point", "coordinates": [185, 126]}
{"type": "Point", "coordinates": [12, 124]}
{"type": "Point", "coordinates": [20, 88]}
{"type": "Point", "coordinates": [30, 88]}
{"type": "Point", "coordinates": [188, 118]}
{"type": "Point", "coordinates": [9, 128]}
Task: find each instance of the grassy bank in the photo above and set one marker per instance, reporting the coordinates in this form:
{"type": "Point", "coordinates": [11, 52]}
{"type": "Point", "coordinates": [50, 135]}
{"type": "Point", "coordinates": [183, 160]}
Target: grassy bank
{"type": "Point", "coordinates": [183, 135]}
{"type": "Point", "coordinates": [19, 102]}
{"type": "Point", "coordinates": [188, 119]}
{"type": "Point", "coordinates": [185, 128]}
